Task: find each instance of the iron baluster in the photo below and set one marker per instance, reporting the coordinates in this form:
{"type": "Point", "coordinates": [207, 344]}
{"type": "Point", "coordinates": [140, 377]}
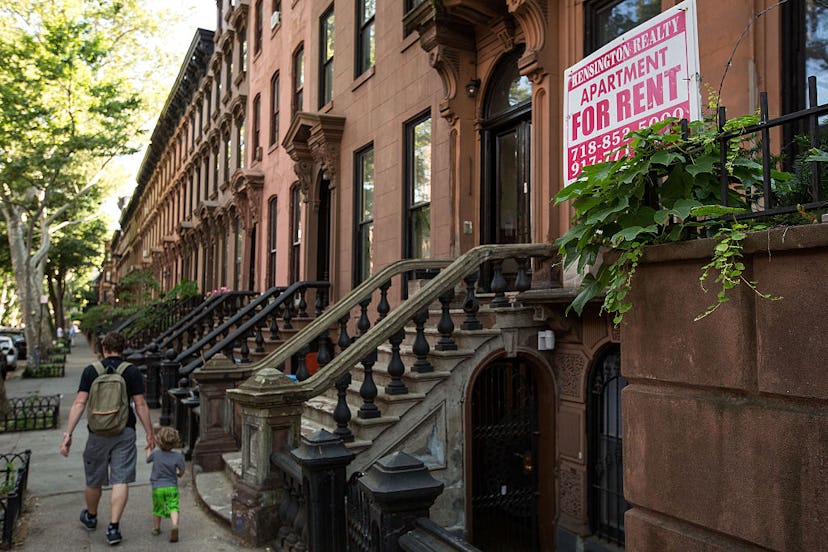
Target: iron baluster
{"type": "Point", "coordinates": [321, 302]}
{"type": "Point", "coordinates": [363, 324]}
{"type": "Point", "coordinates": [470, 304]}
{"type": "Point", "coordinates": [396, 368]}
{"type": "Point", "coordinates": [288, 315]}
{"type": "Point", "coordinates": [244, 350]}
{"type": "Point", "coordinates": [259, 340]}
{"type": "Point", "coordinates": [302, 305]}
{"type": "Point", "coordinates": [522, 281]}
{"type": "Point", "coordinates": [383, 308]}
{"type": "Point", "coordinates": [323, 355]}
{"type": "Point", "coordinates": [766, 157]}
{"type": "Point", "coordinates": [368, 389]}
{"type": "Point", "coordinates": [342, 412]}
{"type": "Point", "coordinates": [274, 325]}
{"type": "Point", "coordinates": [301, 367]}
{"type": "Point", "coordinates": [446, 325]}
{"type": "Point", "coordinates": [344, 340]}
{"type": "Point", "coordinates": [498, 285]}
{"type": "Point", "coordinates": [420, 347]}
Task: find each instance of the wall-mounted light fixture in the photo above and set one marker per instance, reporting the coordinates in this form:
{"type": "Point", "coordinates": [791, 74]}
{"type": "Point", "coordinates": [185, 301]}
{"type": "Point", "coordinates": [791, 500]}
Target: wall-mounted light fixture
{"type": "Point", "coordinates": [472, 88]}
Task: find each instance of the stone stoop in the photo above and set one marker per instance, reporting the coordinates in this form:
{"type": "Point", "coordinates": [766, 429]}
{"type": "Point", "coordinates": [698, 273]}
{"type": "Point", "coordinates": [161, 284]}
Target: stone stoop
{"type": "Point", "coordinates": [215, 489]}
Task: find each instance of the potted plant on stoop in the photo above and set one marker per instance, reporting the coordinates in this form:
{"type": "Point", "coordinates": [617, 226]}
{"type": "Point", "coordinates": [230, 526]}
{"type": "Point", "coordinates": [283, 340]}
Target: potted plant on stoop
{"type": "Point", "coordinates": [666, 186]}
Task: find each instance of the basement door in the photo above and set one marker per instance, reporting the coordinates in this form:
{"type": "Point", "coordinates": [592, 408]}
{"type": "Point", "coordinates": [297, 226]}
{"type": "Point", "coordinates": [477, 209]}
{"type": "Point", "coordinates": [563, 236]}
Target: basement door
{"type": "Point", "coordinates": [504, 451]}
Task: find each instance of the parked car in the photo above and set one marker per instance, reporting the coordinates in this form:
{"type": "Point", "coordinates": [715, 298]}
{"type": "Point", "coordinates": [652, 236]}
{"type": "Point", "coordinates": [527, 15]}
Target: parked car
{"type": "Point", "coordinates": [9, 353]}
{"type": "Point", "coordinates": [18, 338]}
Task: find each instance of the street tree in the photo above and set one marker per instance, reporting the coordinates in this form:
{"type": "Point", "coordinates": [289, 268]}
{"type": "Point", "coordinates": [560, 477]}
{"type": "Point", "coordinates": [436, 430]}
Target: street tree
{"type": "Point", "coordinates": [71, 99]}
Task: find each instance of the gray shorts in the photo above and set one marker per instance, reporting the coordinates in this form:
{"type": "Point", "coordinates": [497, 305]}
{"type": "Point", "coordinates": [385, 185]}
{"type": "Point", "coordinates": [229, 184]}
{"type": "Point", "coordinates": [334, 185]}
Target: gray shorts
{"type": "Point", "coordinates": [110, 460]}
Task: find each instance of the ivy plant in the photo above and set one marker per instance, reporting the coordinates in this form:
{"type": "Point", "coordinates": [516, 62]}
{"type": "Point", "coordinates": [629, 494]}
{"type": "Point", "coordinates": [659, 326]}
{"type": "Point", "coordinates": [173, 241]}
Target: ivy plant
{"type": "Point", "coordinates": [664, 186]}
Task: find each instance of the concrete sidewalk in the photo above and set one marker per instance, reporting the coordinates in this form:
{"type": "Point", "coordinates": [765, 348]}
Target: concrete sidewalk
{"type": "Point", "coordinates": [56, 484]}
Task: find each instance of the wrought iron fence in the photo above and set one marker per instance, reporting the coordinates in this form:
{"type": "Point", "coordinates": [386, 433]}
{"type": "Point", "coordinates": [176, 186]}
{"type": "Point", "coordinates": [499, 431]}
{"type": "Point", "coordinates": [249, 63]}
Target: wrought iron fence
{"type": "Point", "coordinates": [358, 518]}
{"type": "Point", "coordinates": [14, 477]}
{"type": "Point", "coordinates": [30, 413]}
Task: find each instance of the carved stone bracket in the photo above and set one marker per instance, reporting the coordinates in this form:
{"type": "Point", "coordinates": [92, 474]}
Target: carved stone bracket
{"type": "Point", "coordinates": [313, 140]}
{"type": "Point", "coordinates": [531, 15]}
{"type": "Point", "coordinates": [571, 492]}
{"type": "Point", "coordinates": [247, 187]}
{"type": "Point", "coordinates": [571, 367]}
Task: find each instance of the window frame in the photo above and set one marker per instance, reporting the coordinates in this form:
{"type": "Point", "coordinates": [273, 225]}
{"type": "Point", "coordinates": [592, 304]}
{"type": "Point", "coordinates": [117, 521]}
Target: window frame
{"type": "Point", "coordinates": [361, 224]}
{"type": "Point", "coordinates": [258, 26]}
{"type": "Point", "coordinates": [257, 126]}
{"type": "Point", "coordinates": [325, 64]}
{"type": "Point", "coordinates": [409, 163]}
{"type": "Point", "coordinates": [298, 80]}
{"type": "Point", "coordinates": [274, 108]}
{"type": "Point", "coordinates": [363, 26]}
{"type": "Point", "coordinates": [272, 237]}
{"type": "Point", "coordinates": [295, 233]}
{"type": "Point", "coordinates": [592, 11]}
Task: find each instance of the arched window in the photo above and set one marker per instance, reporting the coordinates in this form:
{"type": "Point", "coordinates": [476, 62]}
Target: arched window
{"type": "Point", "coordinates": [606, 483]}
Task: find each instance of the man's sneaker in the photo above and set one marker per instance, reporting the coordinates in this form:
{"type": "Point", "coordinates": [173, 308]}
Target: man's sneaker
{"type": "Point", "coordinates": [174, 534]}
{"type": "Point", "coordinates": [113, 535]}
{"type": "Point", "coordinates": [90, 523]}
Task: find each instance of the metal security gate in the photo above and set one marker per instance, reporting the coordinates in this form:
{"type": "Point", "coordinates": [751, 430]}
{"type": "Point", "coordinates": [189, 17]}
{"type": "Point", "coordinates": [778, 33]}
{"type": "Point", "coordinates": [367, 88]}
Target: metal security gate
{"type": "Point", "coordinates": [606, 490]}
{"type": "Point", "coordinates": [504, 458]}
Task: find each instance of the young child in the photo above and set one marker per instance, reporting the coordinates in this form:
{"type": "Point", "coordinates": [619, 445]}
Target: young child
{"type": "Point", "coordinates": [167, 466]}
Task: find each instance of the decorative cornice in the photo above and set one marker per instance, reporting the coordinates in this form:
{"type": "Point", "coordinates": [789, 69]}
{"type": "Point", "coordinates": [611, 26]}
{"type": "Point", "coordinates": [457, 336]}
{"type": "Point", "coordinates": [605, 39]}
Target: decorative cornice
{"type": "Point", "coordinates": [531, 15]}
{"type": "Point", "coordinates": [247, 193]}
{"type": "Point", "coordinates": [314, 138]}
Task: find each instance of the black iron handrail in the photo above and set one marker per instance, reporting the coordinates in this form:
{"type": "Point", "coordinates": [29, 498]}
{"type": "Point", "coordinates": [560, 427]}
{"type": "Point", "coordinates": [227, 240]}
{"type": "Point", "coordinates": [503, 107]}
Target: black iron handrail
{"type": "Point", "coordinates": [222, 328]}
{"type": "Point", "coordinates": [208, 310]}
{"type": "Point", "coordinates": [243, 329]}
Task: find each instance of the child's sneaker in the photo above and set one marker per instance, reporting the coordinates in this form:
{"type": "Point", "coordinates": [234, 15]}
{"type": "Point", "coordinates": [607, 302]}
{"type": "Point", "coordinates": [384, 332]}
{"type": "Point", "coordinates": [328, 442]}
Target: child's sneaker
{"type": "Point", "coordinates": [90, 523]}
{"type": "Point", "coordinates": [113, 535]}
{"type": "Point", "coordinates": [156, 532]}
{"type": "Point", "coordinates": [174, 534]}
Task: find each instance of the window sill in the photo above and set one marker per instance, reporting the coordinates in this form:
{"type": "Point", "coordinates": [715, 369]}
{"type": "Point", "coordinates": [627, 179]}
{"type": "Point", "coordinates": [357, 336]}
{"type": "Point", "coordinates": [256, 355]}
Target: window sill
{"type": "Point", "coordinates": [327, 107]}
{"type": "Point", "coordinates": [360, 80]}
{"type": "Point", "coordinates": [409, 41]}
{"type": "Point", "coordinates": [272, 147]}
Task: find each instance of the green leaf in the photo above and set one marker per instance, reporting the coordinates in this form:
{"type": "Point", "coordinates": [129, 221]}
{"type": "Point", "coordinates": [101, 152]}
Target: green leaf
{"type": "Point", "coordinates": [702, 164]}
{"type": "Point", "coordinates": [589, 289]}
{"type": "Point", "coordinates": [665, 158]}
{"type": "Point", "coordinates": [632, 232]}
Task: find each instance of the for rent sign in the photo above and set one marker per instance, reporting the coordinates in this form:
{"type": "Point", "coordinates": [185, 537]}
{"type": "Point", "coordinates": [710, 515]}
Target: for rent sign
{"type": "Point", "coordinates": [642, 77]}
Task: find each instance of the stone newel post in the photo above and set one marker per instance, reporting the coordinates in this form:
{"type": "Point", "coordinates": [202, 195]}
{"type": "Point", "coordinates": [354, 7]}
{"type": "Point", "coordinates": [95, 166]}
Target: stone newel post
{"type": "Point", "coordinates": [270, 423]}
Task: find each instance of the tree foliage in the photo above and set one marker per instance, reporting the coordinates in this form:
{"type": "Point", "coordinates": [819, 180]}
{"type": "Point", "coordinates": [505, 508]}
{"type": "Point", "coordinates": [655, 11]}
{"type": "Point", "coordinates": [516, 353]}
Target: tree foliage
{"type": "Point", "coordinates": [71, 99]}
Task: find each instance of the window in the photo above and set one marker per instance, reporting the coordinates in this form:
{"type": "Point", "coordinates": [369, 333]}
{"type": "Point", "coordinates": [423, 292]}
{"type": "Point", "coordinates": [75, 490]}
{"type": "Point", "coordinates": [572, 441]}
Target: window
{"type": "Point", "coordinates": [411, 4]}
{"type": "Point", "coordinates": [229, 82]}
{"type": "Point", "coordinates": [418, 188]}
{"type": "Point", "coordinates": [298, 78]}
{"type": "Point", "coordinates": [240, 144]}
{"type": "Point", "coordinates": [239, 247]}
{"type": "Point", "coordinates": [272, 226]}
{"type": "Point", "coordinates": [366, 9]}
{"type": "Point", "coordinates": [218, 89]}
{"type": "Point", "coordinates": [257, 37]}
{"type": "Point", "coordinates": [364, 212]}
{"type": "Point", "coordinates": [197, 185]}
{"type": "Point", "coordinates": [227, 155]}
{"type": "Point", "coordinates": [257, 123]}
{"type": "Point", "coordinates": [608, 19]}
{"type": "Point", "coordinates": [216, 163]}
{"type": "Point", "coordinates": [206, 175]}
{"type": "Point", "coordinates": [208, 96]}
{"type": "Point", "coordinates": [242, 51]}
{"type": "Point", "coordinates": [805, 23]}
{"type": "Point", "coordinates": [326, 36]}
{"type": "Point", "coordinates": [295, 232]}
{"type": "Point", "coordinates": [606, 481]}
{"type": "Point", "coordinates": [274, 108]}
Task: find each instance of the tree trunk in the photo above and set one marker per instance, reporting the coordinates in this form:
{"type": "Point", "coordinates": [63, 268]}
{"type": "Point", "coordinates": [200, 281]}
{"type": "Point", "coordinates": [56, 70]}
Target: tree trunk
{"type": "Point", "coordinates": [29, 270]}
{"type": "Point", "coordinates": [56, 292]}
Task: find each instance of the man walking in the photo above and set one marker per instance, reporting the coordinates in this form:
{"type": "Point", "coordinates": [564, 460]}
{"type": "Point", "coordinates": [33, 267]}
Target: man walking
{"type": "Point", "coordinates": [109, 459]}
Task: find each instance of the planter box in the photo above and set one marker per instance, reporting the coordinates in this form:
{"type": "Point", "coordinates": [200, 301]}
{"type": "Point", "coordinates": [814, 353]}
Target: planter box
{"type": "Point", "coordinates": [725, 419]}
{"type": "Point", "coordinates": [31, 413]}
{"type": "Point", "coordinates": [45, 371]}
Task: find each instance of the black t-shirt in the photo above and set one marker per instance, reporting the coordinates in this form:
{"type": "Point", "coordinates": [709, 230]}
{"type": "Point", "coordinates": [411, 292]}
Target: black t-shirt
{"type": "Point", "coordinates": [132, 376]}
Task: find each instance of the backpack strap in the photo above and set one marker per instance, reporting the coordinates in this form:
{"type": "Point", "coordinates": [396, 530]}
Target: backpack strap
{"type": "Point", "coordinates": [122, 367]}
{"type": "Point", "coordinates": [99, 367]}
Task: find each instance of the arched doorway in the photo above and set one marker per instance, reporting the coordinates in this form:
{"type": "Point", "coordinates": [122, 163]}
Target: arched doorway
{"type": "Point", "coordinates": [511, 445]}
{"type": "Point", "coordinates": [606, 469]}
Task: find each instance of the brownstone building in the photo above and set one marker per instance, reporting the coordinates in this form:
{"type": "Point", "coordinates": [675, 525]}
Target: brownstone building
{"type": "Point", "coordinates": [324, 140]}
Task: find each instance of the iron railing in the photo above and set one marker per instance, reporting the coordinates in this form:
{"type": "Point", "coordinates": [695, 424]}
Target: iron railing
{"type": "Point", "coordinates": [30, 413]}
{"type": "Point", "coordinates": [14, 479]}
{"type": "Point", "coordinates": [358, 517]}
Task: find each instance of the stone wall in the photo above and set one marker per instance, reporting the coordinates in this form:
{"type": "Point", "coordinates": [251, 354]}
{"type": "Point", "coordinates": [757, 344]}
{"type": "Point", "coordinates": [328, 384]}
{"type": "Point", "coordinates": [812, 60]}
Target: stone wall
{"type": "Point", "coordinates": [726, 419]}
